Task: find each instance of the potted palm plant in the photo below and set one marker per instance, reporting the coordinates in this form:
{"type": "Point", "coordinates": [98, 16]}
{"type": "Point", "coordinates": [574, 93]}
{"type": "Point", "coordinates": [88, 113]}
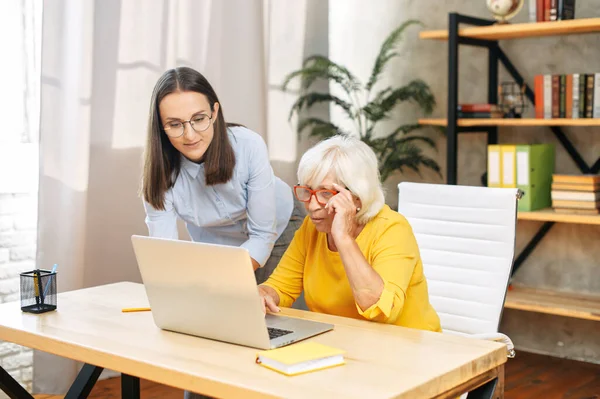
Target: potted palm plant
{"type": "Point", "coordinates": [396, 150]}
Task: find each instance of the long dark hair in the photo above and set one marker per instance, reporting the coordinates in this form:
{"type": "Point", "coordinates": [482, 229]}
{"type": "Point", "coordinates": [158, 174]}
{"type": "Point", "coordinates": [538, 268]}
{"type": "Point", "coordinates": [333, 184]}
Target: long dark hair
{"type": "Point", "coordinates": [161, 160]}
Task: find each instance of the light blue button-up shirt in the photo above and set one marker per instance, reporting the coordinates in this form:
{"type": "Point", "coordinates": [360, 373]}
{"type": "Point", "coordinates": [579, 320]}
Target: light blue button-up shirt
{"type": "Point", "coordinates": [251, 210]}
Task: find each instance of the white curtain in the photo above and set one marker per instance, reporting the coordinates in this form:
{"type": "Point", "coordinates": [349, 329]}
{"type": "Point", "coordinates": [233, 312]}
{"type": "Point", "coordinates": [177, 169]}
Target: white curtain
{"type": "Point", "coordinates": [100, 60]}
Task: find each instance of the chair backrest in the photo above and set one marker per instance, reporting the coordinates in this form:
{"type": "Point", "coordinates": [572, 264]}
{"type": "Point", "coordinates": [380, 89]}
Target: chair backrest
{"type": "Point", "coordinates": [466, 236]}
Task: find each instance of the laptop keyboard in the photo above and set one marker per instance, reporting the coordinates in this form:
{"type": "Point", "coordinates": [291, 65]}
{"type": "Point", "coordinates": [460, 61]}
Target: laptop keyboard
{"type": "Point", "coordinates": [276, 332]}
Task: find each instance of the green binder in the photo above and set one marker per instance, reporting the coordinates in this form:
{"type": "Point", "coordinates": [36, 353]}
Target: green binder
{"type": "Point", "coordinates": [535, 166]}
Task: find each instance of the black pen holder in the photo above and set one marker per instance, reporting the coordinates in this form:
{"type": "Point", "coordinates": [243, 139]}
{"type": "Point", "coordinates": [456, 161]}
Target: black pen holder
{"type": "Point", "coordinates": [38, 291]}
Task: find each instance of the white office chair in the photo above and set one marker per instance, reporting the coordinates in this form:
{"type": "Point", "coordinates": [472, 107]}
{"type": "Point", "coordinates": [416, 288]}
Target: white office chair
{"type": "Point", "coordinates": [466, 236]}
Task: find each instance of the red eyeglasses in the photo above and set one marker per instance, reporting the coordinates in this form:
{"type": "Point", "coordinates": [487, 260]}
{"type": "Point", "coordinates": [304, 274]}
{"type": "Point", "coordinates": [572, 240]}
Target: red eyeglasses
{"type": "Point", "coordinates": [304, 194]}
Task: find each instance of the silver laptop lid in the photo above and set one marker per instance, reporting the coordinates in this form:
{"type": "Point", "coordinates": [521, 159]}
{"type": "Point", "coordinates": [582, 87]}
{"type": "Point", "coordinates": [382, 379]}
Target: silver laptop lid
{"type": "Point", "coordinates": [207, 290]}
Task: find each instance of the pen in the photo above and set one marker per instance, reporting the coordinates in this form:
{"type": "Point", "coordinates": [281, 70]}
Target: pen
{"type": "Point", "coordinates": [125, 310]}
{"type": "Point", "coordinates": [50, 279]}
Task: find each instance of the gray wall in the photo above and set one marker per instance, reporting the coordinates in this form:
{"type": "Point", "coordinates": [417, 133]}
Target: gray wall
{"type": "Point", "coordinates": [567, 259]}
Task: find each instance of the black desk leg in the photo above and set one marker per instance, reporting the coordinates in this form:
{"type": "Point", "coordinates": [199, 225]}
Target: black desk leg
{"type": "Point", "coordinates": [486, 391]}
{"type": "Point", "coordinates": [11, 387]}
{"type": "Point", "coordinates": [87, 377]}
{"type": "Point", "coordinates": [130, 387]}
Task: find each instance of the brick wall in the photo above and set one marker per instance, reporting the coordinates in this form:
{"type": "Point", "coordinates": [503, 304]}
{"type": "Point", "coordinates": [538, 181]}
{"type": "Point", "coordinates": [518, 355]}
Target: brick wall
{"type": "Point", "coordinates": [18, 226]}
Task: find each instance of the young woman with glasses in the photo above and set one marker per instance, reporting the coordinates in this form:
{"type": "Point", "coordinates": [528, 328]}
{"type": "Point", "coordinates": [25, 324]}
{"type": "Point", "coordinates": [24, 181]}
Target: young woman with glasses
{"type": "Point", "coordinates": [353, 256]}
{"type": "Point", "coordinates": [213, 175]}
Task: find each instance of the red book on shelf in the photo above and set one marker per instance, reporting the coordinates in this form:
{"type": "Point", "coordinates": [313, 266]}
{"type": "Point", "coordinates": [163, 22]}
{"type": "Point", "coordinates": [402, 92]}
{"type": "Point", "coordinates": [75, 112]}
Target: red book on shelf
{"type": "Point", "coordinates": [547, 10]}
{"type": "Point", "coordinates": [538, 86]}
{"type": "Point", "coordinates": [539, 10]}
{"type": "Point", "coordinates": [475, 107]}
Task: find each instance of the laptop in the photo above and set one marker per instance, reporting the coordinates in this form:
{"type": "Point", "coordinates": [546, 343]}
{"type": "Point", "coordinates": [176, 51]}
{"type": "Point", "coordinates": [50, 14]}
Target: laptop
{"type": "Point", "coordinates": [209, 290]}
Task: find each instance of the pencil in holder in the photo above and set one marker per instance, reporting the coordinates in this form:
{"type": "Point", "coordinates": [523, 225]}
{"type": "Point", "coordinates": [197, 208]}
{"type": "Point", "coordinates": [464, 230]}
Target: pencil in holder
{"type": "Point", "coordinates": [38, 291]}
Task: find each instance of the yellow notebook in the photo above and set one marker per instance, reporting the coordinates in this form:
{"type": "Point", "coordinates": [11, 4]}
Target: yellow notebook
{"type": "Point", "coordinates": [301, 358]}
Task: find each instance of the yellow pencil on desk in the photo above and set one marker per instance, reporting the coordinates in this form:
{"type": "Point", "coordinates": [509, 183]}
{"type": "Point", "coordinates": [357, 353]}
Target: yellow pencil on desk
{"type": "Point", "coordinates": [126, 310]}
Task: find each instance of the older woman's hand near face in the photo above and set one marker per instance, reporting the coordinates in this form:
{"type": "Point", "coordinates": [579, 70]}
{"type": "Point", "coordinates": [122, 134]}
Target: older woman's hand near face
{"type": "Point", "coordinates": [344, 208]}
{"type": "Point", "coordinates": [269, 299]}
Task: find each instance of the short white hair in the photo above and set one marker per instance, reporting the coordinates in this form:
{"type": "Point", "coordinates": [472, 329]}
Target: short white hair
{"type": "Point", "coordinates": [353, 164]}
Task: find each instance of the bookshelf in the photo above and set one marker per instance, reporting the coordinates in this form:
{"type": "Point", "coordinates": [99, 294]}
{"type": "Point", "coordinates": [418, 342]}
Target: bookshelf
{"type": "Point", "coordinates": [552, 302]}
{"type": "Point", "coordinates": [549, 215]}
{"type": "Point", "coordinates": [513, 122]}
{"type": "Point", "coordinates": [486, 34]}
{"type": "Point", "coordinates": [520, 31]}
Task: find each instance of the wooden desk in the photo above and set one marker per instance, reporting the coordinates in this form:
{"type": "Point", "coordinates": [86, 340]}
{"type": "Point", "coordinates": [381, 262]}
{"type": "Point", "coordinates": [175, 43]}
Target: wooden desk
{"type": "Point", "coordinates": [382, 361]}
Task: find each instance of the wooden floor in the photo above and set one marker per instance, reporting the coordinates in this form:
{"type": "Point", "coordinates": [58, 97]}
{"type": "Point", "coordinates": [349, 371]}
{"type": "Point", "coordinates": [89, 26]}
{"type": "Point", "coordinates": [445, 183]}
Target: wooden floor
{"type": "Point", "coordinates": [528, 376]}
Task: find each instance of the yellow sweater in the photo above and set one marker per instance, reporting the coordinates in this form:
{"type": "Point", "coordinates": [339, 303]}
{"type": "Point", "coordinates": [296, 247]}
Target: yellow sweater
{"type": "Point", "coordinates": [388, 244]}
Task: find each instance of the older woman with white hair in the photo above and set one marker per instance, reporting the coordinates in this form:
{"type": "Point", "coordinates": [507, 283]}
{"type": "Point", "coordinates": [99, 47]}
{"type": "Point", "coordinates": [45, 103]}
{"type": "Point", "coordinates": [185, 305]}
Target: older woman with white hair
{"type": "Point", "coordinates": [353, 256]}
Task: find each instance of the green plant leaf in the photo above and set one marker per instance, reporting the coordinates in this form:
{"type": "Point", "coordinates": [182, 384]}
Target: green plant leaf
{"type": "Point", "coordinates": [394, 139]}
{"type": "Point", "coordinates": [310, 99]}
{"type": "Point", "coordinates": [400, 149]}
{"type": "Point", "coordinates": [308, 122]}
{"type": "Point", "coordinates": [325, 63]}
{"type": "Point", "coordinates": [381, 94]}
{"type": "Point", "coordinates": [320, 67]}
{"type": "Point", "coordinates": [406, 155]}
{"type": "Point", "coordinates": [416, 91]}
{"type": "Point", "coordinates": [319, 128]}
{"type": "Point", "coordinates": [404, 129]}
{"type": "Point", "coordinates": [427, 140]}
{"type": "Point", "coordinates": [386, 53]}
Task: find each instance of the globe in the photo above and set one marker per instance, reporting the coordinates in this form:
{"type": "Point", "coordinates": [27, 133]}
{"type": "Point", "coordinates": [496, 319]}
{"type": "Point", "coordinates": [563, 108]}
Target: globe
{"type": "Point", "coordinates": [504, 9]}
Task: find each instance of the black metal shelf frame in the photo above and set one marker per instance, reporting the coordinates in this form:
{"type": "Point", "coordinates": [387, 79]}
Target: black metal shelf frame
{"type": "Point", "coordinates": [495, 56]}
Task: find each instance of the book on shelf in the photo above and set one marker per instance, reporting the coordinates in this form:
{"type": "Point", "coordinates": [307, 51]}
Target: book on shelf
{"type": "Point", "coordinates": [555, 96]}
{"type": "Point", "coordinates": [551, 10]}
{"type": "Point", "coordinates": [532, 10]}
{"type": "Point", "coordinates": [575, 187]}
{"type": "Point", "coordinates": [562, 95]}
{"type": "Point", "coordinates": [494, 166]}
{"type": "Point", "coordinates": [538, 90]}
{"type": "Point", "coordinates": [589, 95]}
{"type": "Point", "coordinates": [593, 179]}
{"type": "Point", "coordinates": [581, 95]}
{"type": "Point", "coordinates": [534, 168]}
{"type": "Point", "coordinates": [575, 96]}
{"type": "Point", "coordinates": [508, 153]}
{"type": "Point", "coordinates": [575, 204]}
{"type": "Point", "coordinates": [576, 193]}
{"type": "Point", "coordinates": [566, 9]}
{"type": "Point", "coordinates": [479, 115]}
{"type": "Point", "coordinates": [596, 106]}
{"type": "Point", "coordinates": [565, 195]}
{"type": "Point", "coordinates": [528, 167]}
{"type": "Point", "coordinates": [546, 99]}
{"type": "Point", "coordinates": [478, 111]}
{"type": "Point", "coordinates": [570, 96]}
{"type": "Point", "coordinates": [477, 107]}
{"type": "Point", "coordinates": [574, 211]}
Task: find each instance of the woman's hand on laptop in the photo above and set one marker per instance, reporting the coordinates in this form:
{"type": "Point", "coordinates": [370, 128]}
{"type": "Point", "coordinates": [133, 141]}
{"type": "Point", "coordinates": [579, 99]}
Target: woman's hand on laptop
{"type": "Point", "coordinates": [269, 299]}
